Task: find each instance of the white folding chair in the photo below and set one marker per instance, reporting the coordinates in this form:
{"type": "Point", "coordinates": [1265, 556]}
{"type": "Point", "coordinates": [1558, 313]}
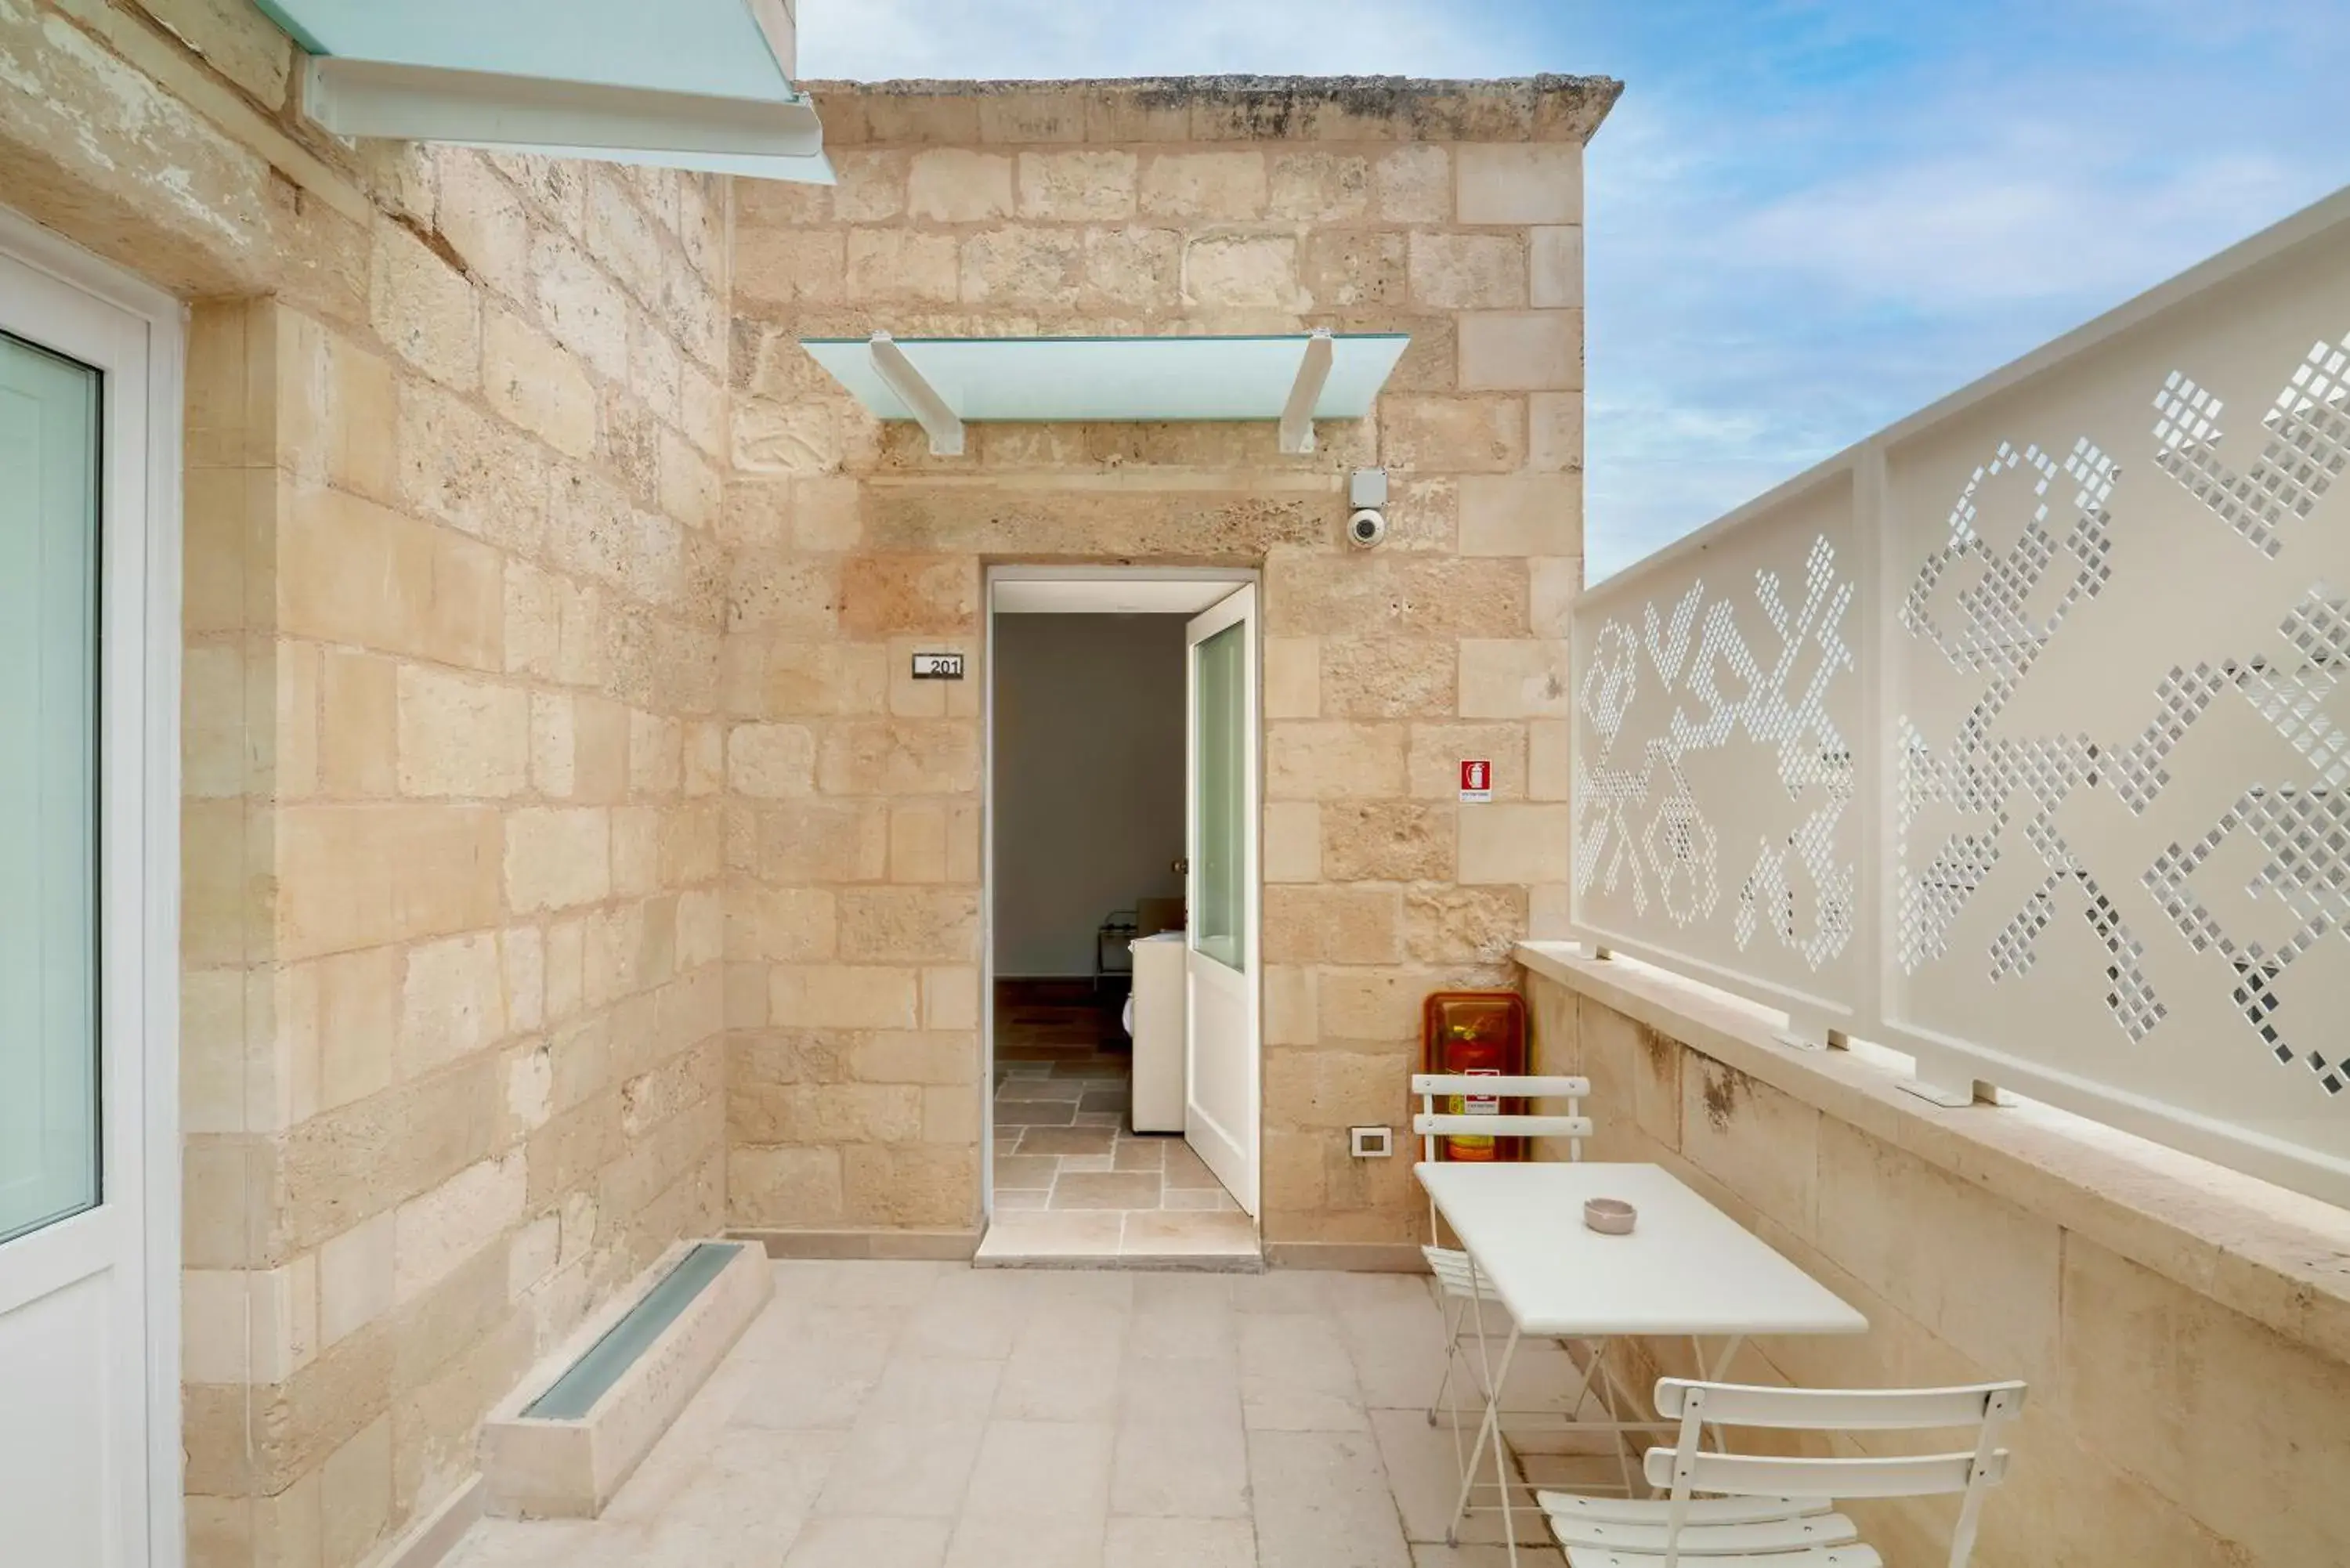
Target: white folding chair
{"type": "Point", "coordinates": [1463, 1291]}
{"type": "Point", "coordinates": [1771, 1511]}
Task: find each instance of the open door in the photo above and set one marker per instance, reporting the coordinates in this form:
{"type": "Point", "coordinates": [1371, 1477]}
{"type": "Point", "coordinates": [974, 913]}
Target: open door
{"type": "Point", "coordinates": [1222, 1022]}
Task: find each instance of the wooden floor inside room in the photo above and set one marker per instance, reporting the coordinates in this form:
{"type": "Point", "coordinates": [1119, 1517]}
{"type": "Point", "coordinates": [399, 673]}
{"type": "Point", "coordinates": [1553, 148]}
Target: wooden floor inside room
{"type": "Point", "coordinates": [1073, 1180]}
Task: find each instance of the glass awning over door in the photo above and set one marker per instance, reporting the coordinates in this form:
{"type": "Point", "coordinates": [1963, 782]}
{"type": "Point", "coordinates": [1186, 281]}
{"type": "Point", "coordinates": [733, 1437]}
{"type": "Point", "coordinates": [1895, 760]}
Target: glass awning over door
{"type": "Point", "coordinates": [946, 382]}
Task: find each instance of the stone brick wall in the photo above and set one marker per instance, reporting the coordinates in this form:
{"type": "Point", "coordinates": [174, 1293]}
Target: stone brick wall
{"type": "Point", "coordinates": [453, 1003]}
{"type": "Point", "coordinates": [2184, 1333]}
{"type": "Point", "coordinates": [853, 844]}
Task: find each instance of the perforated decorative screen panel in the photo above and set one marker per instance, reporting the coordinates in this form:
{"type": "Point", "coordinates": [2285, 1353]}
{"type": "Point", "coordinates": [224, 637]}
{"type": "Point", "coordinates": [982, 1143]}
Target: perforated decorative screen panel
{"type": "Point", "coordinates": [1717, 705]}
{"type": "Point", "coordinates": [2121, 834]}
{"type": "Point", "coordinates": [2056, 795]}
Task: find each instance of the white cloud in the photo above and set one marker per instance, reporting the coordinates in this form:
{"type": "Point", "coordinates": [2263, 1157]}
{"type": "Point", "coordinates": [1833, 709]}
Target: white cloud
{"type": "Point", "coordinates": [1995, 226]}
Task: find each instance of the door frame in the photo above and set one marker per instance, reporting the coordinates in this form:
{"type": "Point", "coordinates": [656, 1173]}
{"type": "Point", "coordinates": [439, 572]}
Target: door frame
{"type": "Point", "coordinates": [1227, 577]}
{"type": "Point", "coordinates": [139, 570]}
{"type": "Point", "coordinates": [1223, 616]}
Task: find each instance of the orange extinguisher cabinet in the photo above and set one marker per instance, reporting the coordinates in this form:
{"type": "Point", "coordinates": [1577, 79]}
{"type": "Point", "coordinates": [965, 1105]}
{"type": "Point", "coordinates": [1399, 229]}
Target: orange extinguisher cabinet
{"type": "Point", "coordinates": [1482, 1034]}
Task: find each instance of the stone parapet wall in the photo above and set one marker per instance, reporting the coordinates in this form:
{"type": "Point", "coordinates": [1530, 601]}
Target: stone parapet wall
{"type": "Point", "coordinates": [1451, 211]}
{"type": "Point", "coordinates": [2184, 1331]}
{"type": "Point", "coordinates": [451, 1053]}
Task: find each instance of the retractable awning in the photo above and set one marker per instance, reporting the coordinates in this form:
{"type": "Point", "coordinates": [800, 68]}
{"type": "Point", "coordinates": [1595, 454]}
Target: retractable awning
{"type": "Point", "coordinates": [947, 382]}
{"type": "Point", "coordinates": [685, 84]}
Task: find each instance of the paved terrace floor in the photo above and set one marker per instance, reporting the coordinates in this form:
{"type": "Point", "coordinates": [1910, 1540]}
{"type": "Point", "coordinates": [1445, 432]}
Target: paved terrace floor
{"type": "Point", "coordinates": [906, 1415]}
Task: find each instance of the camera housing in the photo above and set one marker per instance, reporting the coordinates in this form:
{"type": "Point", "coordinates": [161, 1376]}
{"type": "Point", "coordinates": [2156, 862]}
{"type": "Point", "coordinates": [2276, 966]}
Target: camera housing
{"type": "Point", "coordinates": [1366, 527]}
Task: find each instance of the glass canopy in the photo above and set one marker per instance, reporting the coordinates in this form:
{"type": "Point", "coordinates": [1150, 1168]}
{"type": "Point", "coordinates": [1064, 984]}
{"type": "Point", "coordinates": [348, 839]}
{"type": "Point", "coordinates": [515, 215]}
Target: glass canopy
{"type": "Point", "coordinates": [693, 84]}
{"type": "Point", "coordinates": [1116, 379]}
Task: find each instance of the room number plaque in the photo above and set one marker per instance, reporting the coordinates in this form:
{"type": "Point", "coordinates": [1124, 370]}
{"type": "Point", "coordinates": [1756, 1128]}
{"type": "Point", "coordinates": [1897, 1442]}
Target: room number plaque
{"type": "Point", "coordinates": [937, 666]}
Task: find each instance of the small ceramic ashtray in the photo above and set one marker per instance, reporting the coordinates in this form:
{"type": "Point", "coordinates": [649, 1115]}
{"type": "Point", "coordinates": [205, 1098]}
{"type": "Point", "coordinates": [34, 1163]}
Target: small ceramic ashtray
{"type": "Point", "coordinates": [1609, 1216]}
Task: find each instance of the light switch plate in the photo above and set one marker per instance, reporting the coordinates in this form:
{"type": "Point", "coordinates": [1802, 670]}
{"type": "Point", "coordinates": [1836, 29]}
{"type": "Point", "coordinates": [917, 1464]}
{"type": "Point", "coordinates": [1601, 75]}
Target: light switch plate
{"type": "Point", "coordinates": [1373, 1143]}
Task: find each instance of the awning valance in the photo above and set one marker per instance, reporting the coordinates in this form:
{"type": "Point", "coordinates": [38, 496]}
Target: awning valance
{"type": "Point", "coordinates": [687, 84]}
{"type": "Point", "coordinates": [947, 382]}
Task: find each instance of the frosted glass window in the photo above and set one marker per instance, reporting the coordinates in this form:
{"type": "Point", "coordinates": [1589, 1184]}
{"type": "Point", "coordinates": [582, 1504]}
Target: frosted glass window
{"type": "Point", "coordinates": [48, 788]}
{"type": "Point", "coordinates": [1221, 923]}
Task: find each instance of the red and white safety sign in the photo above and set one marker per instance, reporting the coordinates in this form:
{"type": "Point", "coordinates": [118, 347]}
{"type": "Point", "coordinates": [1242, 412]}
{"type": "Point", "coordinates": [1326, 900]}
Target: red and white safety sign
{"type": "Point", "coordinates": [1476, 779]}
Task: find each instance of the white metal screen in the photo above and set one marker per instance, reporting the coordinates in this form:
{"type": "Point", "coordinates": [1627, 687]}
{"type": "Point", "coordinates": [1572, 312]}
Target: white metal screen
{"type": "Point", "coordinates": [2017, 736]}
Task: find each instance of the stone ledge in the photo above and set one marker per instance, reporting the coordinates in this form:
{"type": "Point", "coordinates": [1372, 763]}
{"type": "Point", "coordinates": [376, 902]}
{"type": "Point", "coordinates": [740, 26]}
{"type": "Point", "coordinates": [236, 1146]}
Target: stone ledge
{"type": "Point", "coordinates": [1212, 109]}
{"type": "Point", "coordinates": [2275, 1256]}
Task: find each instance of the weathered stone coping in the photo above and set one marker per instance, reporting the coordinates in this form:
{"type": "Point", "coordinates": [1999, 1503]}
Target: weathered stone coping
{"type": "Point", "coordinates": [2275, 1256]}
{"type": "Point", "coordinates": [1260, 108]}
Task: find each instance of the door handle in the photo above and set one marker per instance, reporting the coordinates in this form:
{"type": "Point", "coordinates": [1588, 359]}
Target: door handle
{"type": "Point", "coordinates": [1182, 867]}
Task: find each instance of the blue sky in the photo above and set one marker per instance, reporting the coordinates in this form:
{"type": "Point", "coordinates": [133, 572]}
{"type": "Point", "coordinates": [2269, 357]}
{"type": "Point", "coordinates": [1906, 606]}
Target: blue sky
{"type": "Point", "coordinates": [1807, 217]}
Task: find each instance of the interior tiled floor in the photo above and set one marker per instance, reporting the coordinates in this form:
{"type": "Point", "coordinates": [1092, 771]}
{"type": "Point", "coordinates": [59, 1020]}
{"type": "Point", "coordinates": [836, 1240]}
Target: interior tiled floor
{"type": "Point", "coordinates": [1071, 1180]}
{"type": "Point", "coordinates": [935, 1415]}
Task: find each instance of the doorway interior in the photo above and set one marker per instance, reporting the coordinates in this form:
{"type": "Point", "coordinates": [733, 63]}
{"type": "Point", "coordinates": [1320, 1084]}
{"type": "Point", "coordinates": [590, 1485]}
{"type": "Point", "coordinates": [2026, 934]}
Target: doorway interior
{"type": "Point", "coordinates": [1123, 1035]}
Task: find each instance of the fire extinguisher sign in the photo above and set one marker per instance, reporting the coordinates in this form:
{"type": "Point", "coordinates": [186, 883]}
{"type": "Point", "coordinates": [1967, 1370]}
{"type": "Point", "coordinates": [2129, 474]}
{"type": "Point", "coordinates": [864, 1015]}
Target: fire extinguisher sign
{"type": "Point", "coordinates": [1476, 779]}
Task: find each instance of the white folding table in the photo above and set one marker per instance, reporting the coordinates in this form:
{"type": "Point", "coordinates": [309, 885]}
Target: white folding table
{"type": "Point", "coordinates": [1687, 1270]}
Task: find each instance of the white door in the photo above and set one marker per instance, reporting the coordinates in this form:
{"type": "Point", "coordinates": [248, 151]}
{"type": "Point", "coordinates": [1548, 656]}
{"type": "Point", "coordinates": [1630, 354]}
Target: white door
{"type": "Point", "coordinates": [1220, 1022]}
{"type": "Point", "coordinates": [78, 1381]}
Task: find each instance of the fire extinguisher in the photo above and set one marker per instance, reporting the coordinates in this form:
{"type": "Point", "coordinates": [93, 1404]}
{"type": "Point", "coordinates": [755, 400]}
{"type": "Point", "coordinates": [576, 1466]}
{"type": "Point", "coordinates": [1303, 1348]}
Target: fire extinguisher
{"type": "Point", "coordinates": [1477, 1034]}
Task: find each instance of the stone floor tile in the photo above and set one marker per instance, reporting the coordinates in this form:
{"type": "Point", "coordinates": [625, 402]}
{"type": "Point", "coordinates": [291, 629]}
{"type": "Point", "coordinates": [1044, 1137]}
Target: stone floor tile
{"type": "Point", "coordinates": [1174, 1332]}
{"type": "Point", "coordinates": [1010, 1540]}
{"type": "Point", "coordinates": [937, 1415]}
{"type": "Point", "coordinates": [1040, 1198]}
{"type": "Point", "coordinates": [1182, 1293]}
{"type": "Point", "coordinates": [1398, 1352]}
{"type": "Point", "coordinates": [1423, 1472]}
{"type": "Point", "coordinates": [1321, 1501]}
{"type": "Point", "coordinates": [1050, 1233]}
{"type": "Point", "coordinates": [1140, 1154]}
{"type": "Point", "coordinates": [896, 1470]}
{"type": "Point", "coordinates": [1168, 1388]}
{"type": "Point", "coordinates": [1042, 1469]}
{"type": "Point", "coordinates": [1030, 1089]}
{"type": "Point", "coordinates": [813, 1391]}
{"type": "Point", "coordinates": [1192, 1198]}
{"type": "Point", "coordinates": [1280, 1291]}
{"type": "Point", "coordinates": [1093, 1118]}
{"type": "Point", "coordinates": [1106, 1189]}
{"type": "Point", "coordinates": [1296, 1376]}
{"type": "Point", "coordinates": [857, 1281]}
{"type": "Point", "coordinates": [1180, 1543]}
{"type": "Point", "coordinates": [1068, 1140]}
{"type": "Point", "coordinates": [968, 1329]}
{"type": "Point", "coordinates": [1180, 1468]}
{"type": "Point", "coordinates": [1035, 1113]}
{"type": "Point", "coordinates": [537, 1543]}
{"type": "Point", "coordinates": [1372, 1292]}
{"type": "Point", "coordinates": [915, 1390]}
{"type": "Point", "coordinates": [869, 1543]}
{"type": "Point", "coordinates": [1186, 1169]}
{"type": "Point", "coordinates": [1025, 1172]}
{"type": "Point", "coordinates": [1092, 1164]}
{"type": "Point", "coordinates": [1064, 1368]}
{"type": "Point", "coordinates": [1485, 1557]}
{"type": "Point", "coordinates": [1190, 1235]}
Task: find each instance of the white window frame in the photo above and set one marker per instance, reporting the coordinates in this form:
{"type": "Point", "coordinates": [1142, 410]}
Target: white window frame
{"type": "Point", "coordinates": [141, 556]}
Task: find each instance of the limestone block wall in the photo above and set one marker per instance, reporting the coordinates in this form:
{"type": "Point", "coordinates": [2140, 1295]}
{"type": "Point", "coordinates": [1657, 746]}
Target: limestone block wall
{"type": "Point", "coordinates": [853, 845]}
{"type": "Point", "coordinates": [451, 1046]}
{"type": "Point", "coordinates": [2183, 1332]}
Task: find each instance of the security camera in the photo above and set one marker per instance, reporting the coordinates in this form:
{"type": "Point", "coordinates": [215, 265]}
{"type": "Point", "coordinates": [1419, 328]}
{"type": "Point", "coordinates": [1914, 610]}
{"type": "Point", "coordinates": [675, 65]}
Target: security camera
{"type": "Point", "coordinates": [1366, 528]}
